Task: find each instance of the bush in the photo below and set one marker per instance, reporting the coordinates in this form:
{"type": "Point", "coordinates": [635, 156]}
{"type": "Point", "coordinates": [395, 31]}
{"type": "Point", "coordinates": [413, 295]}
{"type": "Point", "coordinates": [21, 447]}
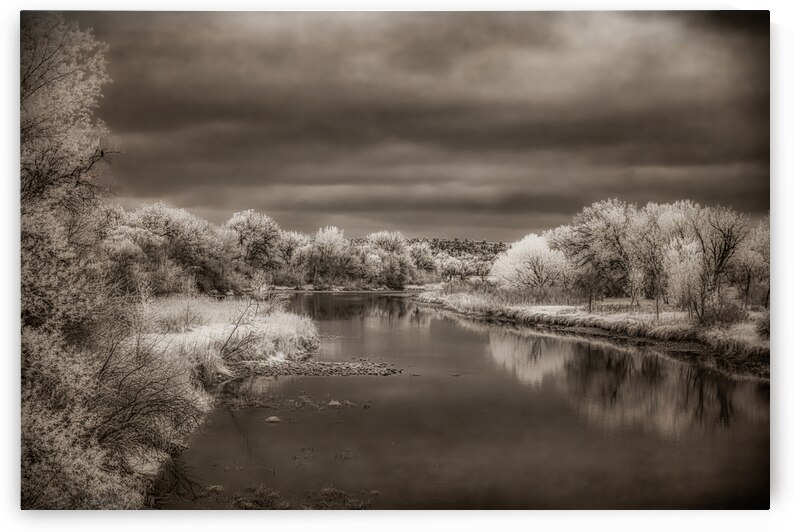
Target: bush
{"type": "Point", "coordinates": [762, 325]}
{"type": "Point", "coordinates": [149, 400]}
{"type": "Point", "coordinates": [723, 313]}
{"type": "Point", "coordinates": [63, 466]}
{"type": "Point", "coordinates": [528, 264]}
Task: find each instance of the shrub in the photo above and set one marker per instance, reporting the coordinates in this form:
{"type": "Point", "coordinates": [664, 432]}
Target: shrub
{"type": "Point", "coordinates": [63, 466]}
{"type": "Point", "coordinates": [723, 313]}
{"type": "Point", "coordinates": [149, 401]}
{"type": "Point", "coordinates": [762, 325]}
{"type": "Point", "coordinates": [528, 263]}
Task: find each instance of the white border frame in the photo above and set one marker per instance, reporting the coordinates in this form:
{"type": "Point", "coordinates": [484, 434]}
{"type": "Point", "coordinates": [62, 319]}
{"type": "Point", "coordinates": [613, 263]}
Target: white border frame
{"type": "Point", "coordinates": [782, 166]}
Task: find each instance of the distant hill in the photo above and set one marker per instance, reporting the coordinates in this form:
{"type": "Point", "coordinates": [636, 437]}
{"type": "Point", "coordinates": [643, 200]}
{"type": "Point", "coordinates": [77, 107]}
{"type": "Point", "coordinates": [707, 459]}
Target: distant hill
{"type": "Point", "coordinates": [461, 248]}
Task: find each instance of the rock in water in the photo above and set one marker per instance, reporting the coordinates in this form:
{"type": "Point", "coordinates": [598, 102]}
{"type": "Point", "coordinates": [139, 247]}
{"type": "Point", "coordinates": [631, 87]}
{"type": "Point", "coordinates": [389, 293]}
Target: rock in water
{"type": "Point", "coordinates": [334, 404]}
{"type": "Point", "coordinates": [273, 419]}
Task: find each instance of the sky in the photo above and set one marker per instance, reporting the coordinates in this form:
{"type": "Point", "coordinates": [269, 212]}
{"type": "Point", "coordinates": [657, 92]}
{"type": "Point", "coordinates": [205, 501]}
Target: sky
{"type": "Point", "coordinates": [479, 125]}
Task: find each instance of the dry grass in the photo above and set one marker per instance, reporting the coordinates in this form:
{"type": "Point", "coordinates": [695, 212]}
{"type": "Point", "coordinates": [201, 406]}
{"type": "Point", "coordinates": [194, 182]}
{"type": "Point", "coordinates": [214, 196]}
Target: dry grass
{"type": "Point", "coordinates": [178, 314]}
{"type": "Point", "coordinates": [215, 334]}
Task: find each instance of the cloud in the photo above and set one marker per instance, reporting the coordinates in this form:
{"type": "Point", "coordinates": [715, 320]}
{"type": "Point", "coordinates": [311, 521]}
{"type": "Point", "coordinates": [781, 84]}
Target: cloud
{"type": "Point", "coordinates": [385, 118]}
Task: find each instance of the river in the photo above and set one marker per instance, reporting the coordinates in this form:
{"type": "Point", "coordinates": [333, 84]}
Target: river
{"type": "Point", "coordinates": [485, 416]}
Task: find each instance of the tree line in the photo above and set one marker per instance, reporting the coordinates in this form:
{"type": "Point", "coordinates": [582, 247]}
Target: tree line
{"type": "Point", "coordinates": [700, 258]}
{"type": "Point", "coordinates": [163, 249]}
{"type": "Point", "coordinates": [680, 253]}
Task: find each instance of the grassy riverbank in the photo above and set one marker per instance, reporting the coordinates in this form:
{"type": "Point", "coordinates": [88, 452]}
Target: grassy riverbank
{"type": "Point", "coordinates": [139, 394]}
{"type": "Point", "coordinates": [736, 347]}
{"type": "Point", "coordinates": [205, 341]}
{"type": "Point", "coordinates": [221, 340]}
{"type": "Point", "coordinates": [217, 336]}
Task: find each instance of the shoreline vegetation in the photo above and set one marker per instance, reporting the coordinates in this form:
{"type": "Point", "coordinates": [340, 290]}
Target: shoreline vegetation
{"type": "Point", "coordinates": [228, 339]}
{"type": "Point", "coordinates": [734, 349]}
{"type": "Point", "coordinates": [223, 340]}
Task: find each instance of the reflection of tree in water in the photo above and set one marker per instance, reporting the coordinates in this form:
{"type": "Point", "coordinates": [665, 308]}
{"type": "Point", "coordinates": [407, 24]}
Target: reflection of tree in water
{"type": "Point", "coordinates": [529, 357]}
{"type": "Point", "coordinates": [618, 385]}
{"type": "Point", "coordinates": [341, 306]}
{"type": "Point", "coordinates": [616, 388]}
{"type": "Point", "coordinates": [328, 307]}
{"type": "Point", "coordinates": [419, 317]}
{"type": "Point", "coordinates": [706, 389]}
{"type": "Point", "coordinates": [611, 385]}
{"type": "Point", "coordinates": [393, 308]}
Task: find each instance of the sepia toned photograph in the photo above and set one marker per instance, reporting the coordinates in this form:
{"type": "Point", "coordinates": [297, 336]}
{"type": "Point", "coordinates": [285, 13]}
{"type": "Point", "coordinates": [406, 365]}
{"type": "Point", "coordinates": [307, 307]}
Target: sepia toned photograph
{"type": "Point", "coordinates": [394, 260]}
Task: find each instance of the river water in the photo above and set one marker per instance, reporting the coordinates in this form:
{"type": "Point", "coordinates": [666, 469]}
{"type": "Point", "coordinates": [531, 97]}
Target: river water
{"type": "Point", "coordinates": [487, 416]}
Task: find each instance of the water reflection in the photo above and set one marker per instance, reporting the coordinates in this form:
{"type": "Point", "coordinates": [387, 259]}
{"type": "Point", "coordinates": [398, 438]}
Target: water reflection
{"type": "Point", "coordinates": [529, 358]}
{"type": "Point", "coordinates": [616, 386]}
{"type": "Point", "coordinates": [618, 389]}
{"type": "Point", "coordinates": [344, 306]}
{"type": "Point", "coordinates": [610, 385]}
{"type": "Point", "coordinates": [486, 416]}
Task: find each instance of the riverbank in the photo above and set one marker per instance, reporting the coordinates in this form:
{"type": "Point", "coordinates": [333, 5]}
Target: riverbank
{"type": "Point", "coordinates": [222, 340]}
{"type": "Point", "coordinates": [233, 338]}
{"type": "Point", "coordinates": [735, 349]}
{"type": "Point", "coordinates": [489, 402]}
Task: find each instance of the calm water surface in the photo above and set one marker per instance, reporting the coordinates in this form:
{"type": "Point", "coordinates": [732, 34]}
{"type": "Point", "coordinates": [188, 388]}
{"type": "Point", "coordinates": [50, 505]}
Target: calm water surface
{"type": "Point", "coordinates": [485, 416]}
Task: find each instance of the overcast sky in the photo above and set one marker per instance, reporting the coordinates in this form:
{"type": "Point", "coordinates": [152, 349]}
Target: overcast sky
{"type": "Point", "coordinates": [479, 125]}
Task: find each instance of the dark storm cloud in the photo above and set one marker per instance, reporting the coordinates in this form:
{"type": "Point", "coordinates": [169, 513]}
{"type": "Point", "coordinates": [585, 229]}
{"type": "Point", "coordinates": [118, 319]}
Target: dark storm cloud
{"type": "Point", "coordinates": [755, 23]}
{"type": "Point", "coordinates": [473, 123]}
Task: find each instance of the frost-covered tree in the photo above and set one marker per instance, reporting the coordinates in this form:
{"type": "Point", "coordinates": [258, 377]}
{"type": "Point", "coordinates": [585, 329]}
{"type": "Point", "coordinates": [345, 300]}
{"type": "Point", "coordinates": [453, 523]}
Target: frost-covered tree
{"type": "Point", "coordinates": [396, 266]}
{"type": "Point", "coordinates": [528, 263]}
{"type": "Point", "coordinates": [650, 231]}
{"type": "Point", "coordinates": [683, 264]}
{"type": "Point", "coordinates": [328, 256]}
{"type": "Point", "coordinates": [93, 404]}
{"type": "Point", "coordinates": [389, 241]}
{"type": "Point", "coordinates": [598, 238]}
{"type": "Point", "coordinates": [718, 231]}
{"type": "Point", "coordinates": [635, 282]}
{"type": "Point", "coordinates": [422, 256]}
{"type": "Point", "coordinates": [450, 267]}
{"type": "Point", "coordinates": [368, 264]}
{"type": "Point", "coordinates": [62, 71]}
{"type": "Point", "coordinates": [179, 245]}
{"type": "Point", "coordinates": [751, 261]}
{"type": "Point", "coordinates": [760, 244]}
{"type": "Point", "coordinates": [292, 247]}
{"type": "Point", "coordinates": [588, 282]}
{"type": "Point", "coordinates": [258, 235]}
{"type": "Point", "coordinates": [480, 267]}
